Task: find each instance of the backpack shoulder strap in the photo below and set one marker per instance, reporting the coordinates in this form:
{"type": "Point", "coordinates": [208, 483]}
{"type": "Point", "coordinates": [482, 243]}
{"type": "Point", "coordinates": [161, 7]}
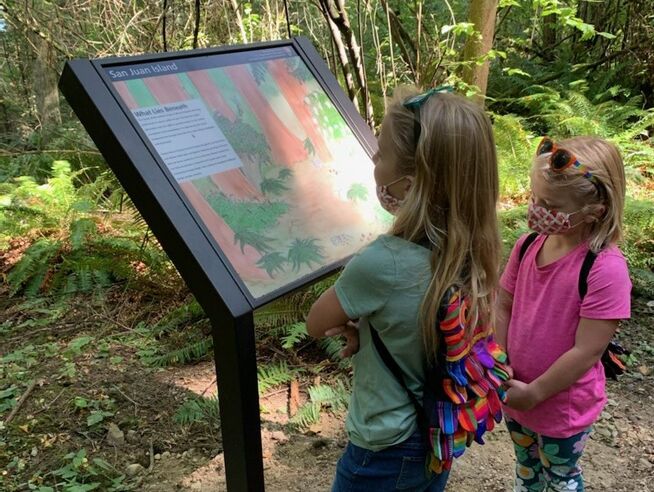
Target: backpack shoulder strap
{"type": "Point", "coordinates": [525, 245]}
{"type": "Point", "coordinates": [396, 370]}
{"type": "Point", "coordinates": [583, 273]}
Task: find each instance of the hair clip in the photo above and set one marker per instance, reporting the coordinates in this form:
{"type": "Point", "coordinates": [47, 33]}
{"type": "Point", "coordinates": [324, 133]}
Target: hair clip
{"type": "Point", "coordinates": [414, 103]}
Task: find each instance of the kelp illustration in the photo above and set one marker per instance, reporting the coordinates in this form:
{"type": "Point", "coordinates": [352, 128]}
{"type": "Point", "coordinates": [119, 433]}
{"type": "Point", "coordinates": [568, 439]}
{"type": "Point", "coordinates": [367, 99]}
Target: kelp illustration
{"type": "Point", "coordinates": [276, 185]}
{"type": "Point", "coordinates": [305, 252]}
{"type": "Point", "coordinates": [272, 263]}
{"type": "Point", "coordinates": [357, 192]}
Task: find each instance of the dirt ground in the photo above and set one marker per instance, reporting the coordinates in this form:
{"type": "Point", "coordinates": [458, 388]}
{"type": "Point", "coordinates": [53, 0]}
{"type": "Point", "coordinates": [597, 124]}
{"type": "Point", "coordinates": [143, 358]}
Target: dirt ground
{"type": "Point", "coordinates": [619, 457]}
{"type": "Point", "coordinates": [164, 455]}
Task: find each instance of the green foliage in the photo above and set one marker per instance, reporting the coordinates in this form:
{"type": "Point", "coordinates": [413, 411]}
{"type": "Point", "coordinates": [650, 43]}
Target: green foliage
{"type": "Point", "coordinates": [247, 216]}
{"type": "Point", "coordinates": [285, 311]}
{"type": "Point", "coordinates": [80, 475]}
{"type": "Point", "coordinates": [334, 397]}
{"type": "Point", "coordinates": [187, 314]}
{"type": "Point", "coordinates": [272, 262]}
{"type": "Point", "coordinates": [638, 246]}
{"type": "Point", "coordinates": [273, 186]}
{"type": "Point", "coordinates": [305, 251]}
{"type": "Point", "coordinates": [247, 237]}
{"type": "Point", "coordinates": [274, 374]}
{"type": "Point", "coordinates": [513, 224]}
{"type": "Point", "coordinates": [82, 262]}
{"type": "Point", "coordinates": [572, 113]}
{"type": "Point", "coordinates": [515, 147]}
{"type": "Point", "coordinates": [199, 409]}
{"type": "Point", "coordinates": [294, 334]}
{"type": "Point", "coordinates": [332, 346]}
{"type": "Point", "coordinates": [192, 351]}
{"type": "Point", "coordinates": [25, 204]}
{"type": "Point", "coordinates": [244, 139]}
{"type": "Point", "coordinates": [357, 192]}
{"type": "Point", "coordinates": [96, 411]}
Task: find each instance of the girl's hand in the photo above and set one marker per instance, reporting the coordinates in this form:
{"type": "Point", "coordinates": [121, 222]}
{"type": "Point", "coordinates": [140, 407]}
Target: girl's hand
{"type": "Point", "coordinates": [521, 396]}
{"type": "Point", "coordinates": [350, 331]}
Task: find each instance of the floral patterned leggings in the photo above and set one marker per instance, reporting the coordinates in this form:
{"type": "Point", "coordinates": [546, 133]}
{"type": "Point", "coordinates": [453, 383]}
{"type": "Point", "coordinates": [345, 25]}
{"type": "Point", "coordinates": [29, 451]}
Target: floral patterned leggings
{"type": "Point", "coordinates": [546, 463]}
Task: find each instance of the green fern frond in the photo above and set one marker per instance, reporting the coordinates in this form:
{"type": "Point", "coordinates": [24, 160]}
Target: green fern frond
{"type": "Point", "coordinates": [33, 266]}
{"type": "Point", "coordinates": [294, 334]}
{"type": "Point", "coordinates": [332, 346]}
{"type": "Point", "coordinates": [274, 374]}
{"type": "Point", "coordinates": [187, 314]}
{"type": "Point", "coordinates": [307, 414]}
{"type": "Point", "coordinates": [282, 312]}
{"type": "Point", "coordinates": [334, 397]}
{"type": "Point", "coordinates": [192, 352]}
{"type": "Point", "coordinates": [198, 409]}
{"type": "Point", "coordinates": [80, 230]}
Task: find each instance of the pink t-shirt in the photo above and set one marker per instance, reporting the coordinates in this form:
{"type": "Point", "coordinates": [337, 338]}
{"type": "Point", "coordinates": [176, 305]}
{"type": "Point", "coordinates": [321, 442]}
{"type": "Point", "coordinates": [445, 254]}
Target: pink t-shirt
{"type": "Point", "coordinates": [544, 319]}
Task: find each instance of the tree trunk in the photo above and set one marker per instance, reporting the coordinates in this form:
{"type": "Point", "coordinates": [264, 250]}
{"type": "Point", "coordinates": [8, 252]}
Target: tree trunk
{"type": "Point", "coordinates": [46, 93]}
{"type": "Point", "coordinates": [335, 12]}
{"type": "Point", "coordinates": [397, 33]}
{"type": "Point", "coordinates": [239, 20]}
{"type": "Point", "coordinates": [345, 63]}
{"type": "Point", "coordinates": [549, 36]}
{"type": "Point", "coordinates": [482, 15]}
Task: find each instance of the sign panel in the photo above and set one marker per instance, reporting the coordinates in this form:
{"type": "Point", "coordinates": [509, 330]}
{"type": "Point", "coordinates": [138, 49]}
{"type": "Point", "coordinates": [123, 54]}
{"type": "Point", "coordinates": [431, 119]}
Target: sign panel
{"type": "Point", "coordinates": [262, 154]}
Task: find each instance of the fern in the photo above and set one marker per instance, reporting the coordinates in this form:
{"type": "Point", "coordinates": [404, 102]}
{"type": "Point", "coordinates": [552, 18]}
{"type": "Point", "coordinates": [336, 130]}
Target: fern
{"type": "Point", "coordinates": [273, 375]}
{"type": "Point", "coordinates": [515, 146]}
{"type": "Point", "coordinates": [306, 415]}
{"type": "Point", "coordinates": [198, 409]}
{"type": "Point", "coordinates": [332, 346]}
{"type": "Point", "coordinates": [285, 311]}
{"type": "Point", "coordinates": [294, 334]}
{"type": "Point", "coordinates": [334, 397]}
{"type": "Point", "coordinates": [187, 314]}
{"type": "Point", "coordinates": [31, 270]}
{"type": "Point", "coordinates": [80, 230]}
{"type": "Point", "coordinates": [191, 352]}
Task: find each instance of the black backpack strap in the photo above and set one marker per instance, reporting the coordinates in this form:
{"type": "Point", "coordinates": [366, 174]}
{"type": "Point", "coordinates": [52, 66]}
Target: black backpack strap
{"type": "Point", "coordinates": [395, 369]}
{"type": "Point", "coordinates": [583, 273]}
{"type": "Point", "coordinates": [525, 245]}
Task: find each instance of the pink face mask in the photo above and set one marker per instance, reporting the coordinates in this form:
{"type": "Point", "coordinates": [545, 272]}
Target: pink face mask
{"type": "Point", "coordinates": [388, 201]}
{"type": "Point", "coordinates": [548, 222]}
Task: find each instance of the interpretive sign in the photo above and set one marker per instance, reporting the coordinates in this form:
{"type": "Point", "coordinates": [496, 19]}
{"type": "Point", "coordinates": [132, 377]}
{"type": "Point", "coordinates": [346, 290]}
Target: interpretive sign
{"type": "Point", "coordinates": [254, 171]}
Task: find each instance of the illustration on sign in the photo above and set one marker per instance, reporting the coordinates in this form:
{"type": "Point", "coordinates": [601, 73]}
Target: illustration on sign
{"type": "Point", "coordinates": [264, 158]}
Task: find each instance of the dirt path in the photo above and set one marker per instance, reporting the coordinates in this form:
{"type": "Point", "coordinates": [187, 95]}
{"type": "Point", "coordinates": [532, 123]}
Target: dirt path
{"type": "Point", "coordinates": [619, 457]}
{"type": "Point", "coordinates": [87, 361]}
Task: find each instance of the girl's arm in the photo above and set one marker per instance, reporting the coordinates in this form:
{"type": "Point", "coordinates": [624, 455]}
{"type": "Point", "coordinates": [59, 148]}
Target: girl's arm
{"type": "Point", "coordinates": [503, 316]}
{"type": "Point", "coordinates": [592, 338]}
{"type": "Point", "coordinates": [326, 314]}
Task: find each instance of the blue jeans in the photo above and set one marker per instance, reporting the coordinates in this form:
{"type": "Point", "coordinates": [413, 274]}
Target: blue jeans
{"type": "Point", "coordinates": [399, 467]}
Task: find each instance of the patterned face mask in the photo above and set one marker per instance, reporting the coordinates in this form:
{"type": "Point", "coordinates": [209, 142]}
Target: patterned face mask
{"type": "Point", "coordinates": [388, 201]}
{"type": "Point", "coordinates": [548, 222]}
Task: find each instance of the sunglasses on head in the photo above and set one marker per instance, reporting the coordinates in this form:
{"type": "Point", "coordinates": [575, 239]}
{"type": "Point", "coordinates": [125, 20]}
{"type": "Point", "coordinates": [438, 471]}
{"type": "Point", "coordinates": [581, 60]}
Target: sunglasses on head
{"type": "Point", "coordinates": [562, 159]}
{"type": "Point", "coordinates": [414, 103]}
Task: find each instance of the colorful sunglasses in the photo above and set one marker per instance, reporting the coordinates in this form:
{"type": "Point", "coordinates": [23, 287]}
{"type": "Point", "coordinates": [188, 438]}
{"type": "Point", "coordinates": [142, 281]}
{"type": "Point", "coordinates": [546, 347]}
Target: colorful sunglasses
{"type": "Point", "coordinates": [562, 159]}
{"type": "Point", "coordinates": [414, 103]}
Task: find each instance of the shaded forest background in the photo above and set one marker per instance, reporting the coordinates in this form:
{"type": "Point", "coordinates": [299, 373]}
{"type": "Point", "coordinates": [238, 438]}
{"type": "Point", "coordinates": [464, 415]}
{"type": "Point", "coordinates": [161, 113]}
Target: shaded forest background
{"type": "Point", "coordinates": [85, 286]}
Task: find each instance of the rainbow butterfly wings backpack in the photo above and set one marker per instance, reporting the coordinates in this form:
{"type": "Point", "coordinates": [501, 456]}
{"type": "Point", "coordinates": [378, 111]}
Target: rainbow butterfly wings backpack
{"type": "Point", "coordinates": [463, 389]}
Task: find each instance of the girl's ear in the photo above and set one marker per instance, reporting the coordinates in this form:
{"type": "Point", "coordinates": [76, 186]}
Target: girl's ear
{"type": "Point", "coordinates": [595, 212]}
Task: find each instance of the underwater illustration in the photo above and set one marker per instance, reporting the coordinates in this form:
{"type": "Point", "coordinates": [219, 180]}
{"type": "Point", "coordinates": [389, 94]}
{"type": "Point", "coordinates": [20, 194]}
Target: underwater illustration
{"type": "Point", "coordinates": [299, 192]}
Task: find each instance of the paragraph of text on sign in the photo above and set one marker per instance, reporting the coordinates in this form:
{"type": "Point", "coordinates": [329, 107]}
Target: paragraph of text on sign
{"type": "Point", "coordinates": [187, 138]}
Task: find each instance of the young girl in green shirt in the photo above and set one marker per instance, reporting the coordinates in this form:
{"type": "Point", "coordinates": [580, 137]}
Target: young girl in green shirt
{"type": "Point", "coordinates": [436, 171]}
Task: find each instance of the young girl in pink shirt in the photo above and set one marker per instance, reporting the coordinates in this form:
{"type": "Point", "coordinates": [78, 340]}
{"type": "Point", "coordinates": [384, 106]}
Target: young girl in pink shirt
{"type": "Point", "coordinates": [562, 294]}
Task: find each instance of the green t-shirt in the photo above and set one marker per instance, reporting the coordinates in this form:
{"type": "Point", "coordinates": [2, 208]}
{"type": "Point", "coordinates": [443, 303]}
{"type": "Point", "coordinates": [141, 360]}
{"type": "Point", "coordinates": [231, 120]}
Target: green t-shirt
{"type": "Point", "coordinates": [384, 284]}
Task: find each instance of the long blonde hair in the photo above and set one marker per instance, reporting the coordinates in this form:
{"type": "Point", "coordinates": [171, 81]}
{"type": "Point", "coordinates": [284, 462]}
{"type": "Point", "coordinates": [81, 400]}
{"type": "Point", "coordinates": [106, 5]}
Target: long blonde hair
{"type": "Point", "coordinates": [452, 202]}
{"type": "Point", "coordinates": [603, 160]}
